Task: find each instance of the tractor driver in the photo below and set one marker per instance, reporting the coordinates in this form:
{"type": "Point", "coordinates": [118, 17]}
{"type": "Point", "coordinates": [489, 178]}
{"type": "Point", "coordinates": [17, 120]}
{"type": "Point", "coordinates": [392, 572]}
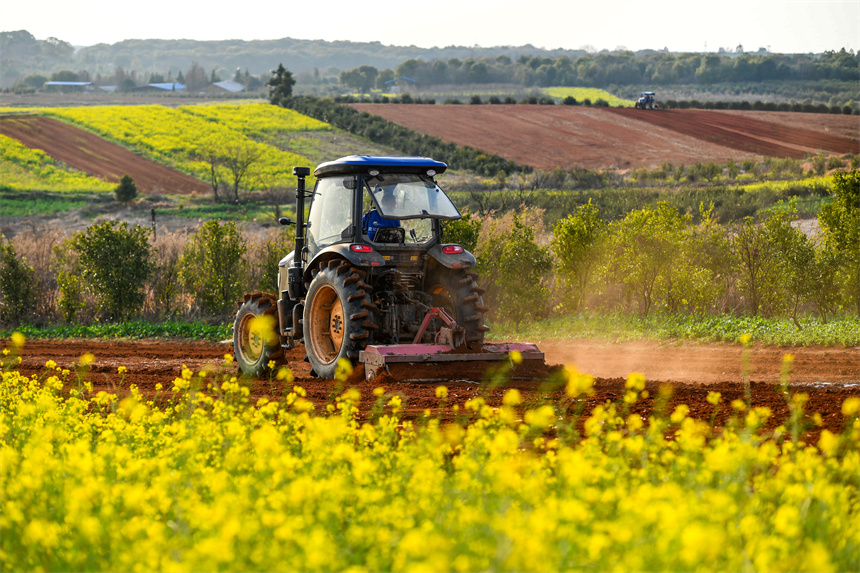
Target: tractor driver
{"type": "Point", "coordinates": [373, 219]}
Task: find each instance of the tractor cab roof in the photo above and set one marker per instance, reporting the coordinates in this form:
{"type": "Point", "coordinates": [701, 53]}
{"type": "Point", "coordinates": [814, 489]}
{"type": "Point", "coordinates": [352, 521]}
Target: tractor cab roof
{"type": "Point", "coordinates": [355, 164]}
{"type": "Point", "coordinates": [647, 93]}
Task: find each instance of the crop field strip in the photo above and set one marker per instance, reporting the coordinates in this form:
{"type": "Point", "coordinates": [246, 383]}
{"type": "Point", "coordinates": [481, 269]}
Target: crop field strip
{"type": "Point", "coordinates": [755, 135]}
{"type": "Point", "coordinates": [163, 141]}
{"type": "Point", "coordinates": [546, 137]}
{"type": "Point", "coordinates": [92, 154]}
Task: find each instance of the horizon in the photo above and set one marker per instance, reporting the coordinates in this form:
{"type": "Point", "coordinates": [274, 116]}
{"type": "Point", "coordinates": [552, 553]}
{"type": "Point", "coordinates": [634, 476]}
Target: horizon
{"type": "Point", "coordinates": [806, 26]}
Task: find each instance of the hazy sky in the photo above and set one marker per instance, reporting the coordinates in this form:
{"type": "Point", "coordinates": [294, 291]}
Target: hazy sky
{"type": "Point", "coordinates": [788, 26]}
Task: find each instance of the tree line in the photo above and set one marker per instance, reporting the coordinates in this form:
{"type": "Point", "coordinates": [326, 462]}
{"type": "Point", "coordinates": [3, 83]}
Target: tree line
{"type": "Point", "coordinates": [606, 69]}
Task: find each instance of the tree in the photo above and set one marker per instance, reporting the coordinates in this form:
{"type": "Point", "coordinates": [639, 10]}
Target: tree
{"type": "Point", "coordinates": [114, 262]}
{"type": "Point", "coordinates": [362, 78]}
{"type": "Point", "coordinates": [773, 259]}
{"type": "Point", "coordinates": [464, 231]}
{"type": "Point", "coordinates": [574, 244]}
{"type": "Point", "coordinates": [209, 152]}
{"type": "Point", "coordinates": [195, 79]}
{"type": "Point", "coordinates": [647, 256]}
{"type": "Point", "coordinates": [840, 225]}
{"type": "Point", "coordinates": [17, 295]}
{"type": "Point", "coordinates": [126, 191]}
{"type": "Point", "coordinates": [280, 86]}
{"type": "Point", "coordinates": [522, 266]}
{"type": "Point", "coordinates": [213, 266]}
{"type": "Point", "coordinates": [238, 160]}
{"type": "Point", "coordinates": [65, 76]}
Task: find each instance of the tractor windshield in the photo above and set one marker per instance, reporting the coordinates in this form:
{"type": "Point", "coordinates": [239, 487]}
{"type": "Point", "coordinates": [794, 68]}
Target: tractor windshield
{"type": "Point", "coordinates": [405, 196]}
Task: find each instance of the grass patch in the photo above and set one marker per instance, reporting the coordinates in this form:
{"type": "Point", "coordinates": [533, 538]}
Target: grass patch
{"type": "Point", "coordinates": [616, 326]}
{"type": "Point", "coordinates": [256, 212]}
{"type": "Point", "coordinates": [17, 205]}
{"type": "Point", "coordinates": [132, 330]}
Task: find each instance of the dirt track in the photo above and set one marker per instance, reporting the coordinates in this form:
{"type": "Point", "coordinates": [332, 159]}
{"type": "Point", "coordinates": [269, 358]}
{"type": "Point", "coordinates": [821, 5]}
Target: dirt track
{"type": "Point", "coordinates": [828, 375]}
{"type": "Point", "coordinates": [91, 154]}
{"type": "Point", "coordinates": [546, 137]}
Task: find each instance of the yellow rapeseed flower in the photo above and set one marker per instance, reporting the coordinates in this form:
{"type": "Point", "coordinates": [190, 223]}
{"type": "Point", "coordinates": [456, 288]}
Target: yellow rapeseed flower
{"type": "Point", "coordinates": [18, 340]}
{"type": "Point", "coordinates": [512, 397]}
{"type": "Point", "coordinates": [851, 406]}
{"type": "Point", "coordinates": [577, 383]}
{"type": "Point", "coordinates": [441, 392]}
{"type": "Point", "coordinates": [635, 381]}
{"type": "Point", "coordinates": [516, 357]}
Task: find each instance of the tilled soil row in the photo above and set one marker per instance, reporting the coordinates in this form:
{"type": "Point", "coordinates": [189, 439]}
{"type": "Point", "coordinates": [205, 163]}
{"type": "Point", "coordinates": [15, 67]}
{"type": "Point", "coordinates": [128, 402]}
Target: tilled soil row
{"type": "Point", "coordinates": [149, 363]}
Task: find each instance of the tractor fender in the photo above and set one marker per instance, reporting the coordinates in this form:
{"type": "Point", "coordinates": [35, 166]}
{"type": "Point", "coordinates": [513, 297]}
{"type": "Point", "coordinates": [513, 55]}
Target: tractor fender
{"type": "Point", "coordinates": [461, 260]}
{"type": "Point", "coordinates": [342, 251]}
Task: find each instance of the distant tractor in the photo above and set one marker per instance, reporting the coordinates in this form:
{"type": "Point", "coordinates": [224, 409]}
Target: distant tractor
{"type": "Point", "coordinates": [370, 279]}
{"type": "Point", "coordinates": [646, 101]}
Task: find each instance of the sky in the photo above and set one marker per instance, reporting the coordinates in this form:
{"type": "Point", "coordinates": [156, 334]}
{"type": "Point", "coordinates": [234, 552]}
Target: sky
{"type": "Point", "coordinates": [784, 26]}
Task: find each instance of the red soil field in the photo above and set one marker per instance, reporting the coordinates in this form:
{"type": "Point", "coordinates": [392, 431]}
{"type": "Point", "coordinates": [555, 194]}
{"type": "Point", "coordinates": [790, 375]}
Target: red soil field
{"type": "Point", "coordinates": [827, 375]}
{"type": "Point", "coordinates": [546, 137]}
{"type": "Point", "coordinates": [91, 154]}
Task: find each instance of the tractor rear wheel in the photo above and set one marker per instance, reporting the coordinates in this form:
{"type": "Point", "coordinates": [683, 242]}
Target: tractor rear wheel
{"type": "Point", "coordinates": [255, 336]}
{"type": "Point", "coordinates": [336, 318]}
{"type": "Point", "coordinates": [459, 294]}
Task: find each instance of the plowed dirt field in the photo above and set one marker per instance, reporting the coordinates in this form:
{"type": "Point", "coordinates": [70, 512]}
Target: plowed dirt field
{"type": "Point", "coordinates": [546, 137]}
{"type": "Point", "coordinates": [827, 375]}
{"type": "Point", "coordinates": [91, 154]}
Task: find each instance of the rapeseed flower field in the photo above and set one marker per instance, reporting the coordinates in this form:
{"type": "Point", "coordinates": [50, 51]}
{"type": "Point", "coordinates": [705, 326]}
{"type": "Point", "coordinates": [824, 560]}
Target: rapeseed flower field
{"type": "Point", "coordinates": [25, 169]}
{"type": "Point", "coordinates": [197, 478]}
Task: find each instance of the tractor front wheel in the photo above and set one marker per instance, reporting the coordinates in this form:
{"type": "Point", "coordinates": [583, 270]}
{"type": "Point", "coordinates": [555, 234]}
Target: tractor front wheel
{"type": "Point", "coordinates": [336, 319]}
{"type": "Point", "coordinates": [255, 336]}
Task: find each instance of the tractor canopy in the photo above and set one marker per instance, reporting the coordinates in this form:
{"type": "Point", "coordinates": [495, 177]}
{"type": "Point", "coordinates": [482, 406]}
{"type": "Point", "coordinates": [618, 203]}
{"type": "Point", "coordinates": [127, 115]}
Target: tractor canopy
{"type": "Point", "coordinates": [363, 164]}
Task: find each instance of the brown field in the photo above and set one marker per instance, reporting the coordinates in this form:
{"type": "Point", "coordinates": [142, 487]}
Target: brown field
{"type": "Point", "coordinates": [827, 375]}
{"type": "Point", "coordinates": [91, 154]}
{"type": "Point", "coordinates": [546, 137]}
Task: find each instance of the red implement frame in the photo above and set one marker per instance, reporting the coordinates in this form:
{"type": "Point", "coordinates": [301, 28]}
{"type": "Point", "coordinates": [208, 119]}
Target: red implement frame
{"type": "Point", "coordinates": [379, 359]}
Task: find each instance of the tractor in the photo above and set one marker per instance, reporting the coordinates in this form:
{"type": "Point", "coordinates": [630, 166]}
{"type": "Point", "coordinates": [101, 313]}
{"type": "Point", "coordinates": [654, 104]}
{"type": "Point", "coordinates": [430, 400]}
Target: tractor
{"type": "Point", "coordinates": [370, 279]}
{"type": "Point", "coordinates": [646, 101]}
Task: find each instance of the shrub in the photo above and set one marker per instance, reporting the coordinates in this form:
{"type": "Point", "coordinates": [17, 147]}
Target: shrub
{"type": "Point", "coordinates": [264, 254]}
{"type": "Point", "coordinates": [574, 244]}
{"type": "Point", "coordinates": [475, 100]}
{"type": "Point", "coordinates": [17, 296]}
{"type": "Point", "coordinates": [114, 262]}
{"type": "Point", "coordinates": [126, 191]}
{"type": "Point", "coordinates": [464, 232]}
{"type": "Point", "coordinates": [212, 267]}
{"type": "Point", "coordinates": [840, 224]}
{"type": "Point", "coordinates": [518, 266]}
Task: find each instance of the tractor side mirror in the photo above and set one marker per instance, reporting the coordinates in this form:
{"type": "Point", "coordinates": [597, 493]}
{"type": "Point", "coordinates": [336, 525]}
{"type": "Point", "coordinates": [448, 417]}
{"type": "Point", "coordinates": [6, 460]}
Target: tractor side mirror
{"type": "Point", "coordinates": [285, 221]}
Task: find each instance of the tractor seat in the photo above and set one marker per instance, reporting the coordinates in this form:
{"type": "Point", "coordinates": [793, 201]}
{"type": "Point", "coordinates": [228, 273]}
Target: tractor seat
{"type": "Point", "coordinates": [390, 235]}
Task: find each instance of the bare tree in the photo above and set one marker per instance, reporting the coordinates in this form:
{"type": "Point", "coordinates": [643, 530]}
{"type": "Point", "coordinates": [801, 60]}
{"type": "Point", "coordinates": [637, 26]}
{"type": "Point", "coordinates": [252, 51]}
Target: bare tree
{"type": "Point", "coordinates": [211, 154]}
{"type": "Point", "coordinates": [238, 159]}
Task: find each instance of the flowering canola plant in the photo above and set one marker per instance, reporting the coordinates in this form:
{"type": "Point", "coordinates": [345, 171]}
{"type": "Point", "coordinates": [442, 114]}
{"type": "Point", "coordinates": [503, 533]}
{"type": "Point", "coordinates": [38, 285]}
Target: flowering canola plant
{"type": "Point", "coordinates": [26, 169]}
{"type": "Point", "coordinates": [198, 478]}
